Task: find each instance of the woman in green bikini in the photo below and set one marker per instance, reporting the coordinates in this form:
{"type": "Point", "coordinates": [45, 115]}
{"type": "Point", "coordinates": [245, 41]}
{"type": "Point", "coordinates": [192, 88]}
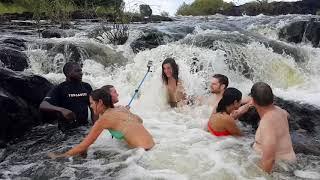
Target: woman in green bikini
{"type": "Point", "coordinates": [121, 123]}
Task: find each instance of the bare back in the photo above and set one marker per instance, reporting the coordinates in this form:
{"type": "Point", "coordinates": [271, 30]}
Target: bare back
{"type": "Point", "coordinates": [120, 119]}
{"type": "Point", "coordinates": [275, 123]}
{"type": "Point", "coordinates": [221, 122]}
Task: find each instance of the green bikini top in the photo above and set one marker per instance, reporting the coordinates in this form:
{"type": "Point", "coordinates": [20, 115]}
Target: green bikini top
{"type": "Point", "coordinates": [116, 134]}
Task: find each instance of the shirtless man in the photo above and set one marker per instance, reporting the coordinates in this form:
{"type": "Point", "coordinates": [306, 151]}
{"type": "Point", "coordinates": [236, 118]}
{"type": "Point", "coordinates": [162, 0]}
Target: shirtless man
{"type": "Point", "coordinates": [272, 139]}
{"type": "Point", "coordinates": [219, 84]}
{"type": "Point", "coordinates": [176, 92]}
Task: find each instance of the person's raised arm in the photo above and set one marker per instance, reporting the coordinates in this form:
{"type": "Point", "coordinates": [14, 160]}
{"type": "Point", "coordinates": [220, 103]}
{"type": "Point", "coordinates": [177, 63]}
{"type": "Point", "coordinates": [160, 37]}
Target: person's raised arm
{"type": "Point", "coordinates": [268, 147]}
{"type": "Point", "coordinates": [242, 110]}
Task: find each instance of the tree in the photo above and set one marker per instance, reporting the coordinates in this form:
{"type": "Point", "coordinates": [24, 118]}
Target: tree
{"type": "Point", "coordinates": [201, 7]}
{"type": "Point", "coordinates": [145, 10]}
{"type": "Point", "coordinates": [184, 9]}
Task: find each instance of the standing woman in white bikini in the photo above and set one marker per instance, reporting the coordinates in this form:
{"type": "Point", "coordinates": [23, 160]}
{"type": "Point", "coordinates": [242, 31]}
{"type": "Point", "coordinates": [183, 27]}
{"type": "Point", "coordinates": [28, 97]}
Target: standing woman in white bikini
{"type": "Point", "coordinates": [176, 92]}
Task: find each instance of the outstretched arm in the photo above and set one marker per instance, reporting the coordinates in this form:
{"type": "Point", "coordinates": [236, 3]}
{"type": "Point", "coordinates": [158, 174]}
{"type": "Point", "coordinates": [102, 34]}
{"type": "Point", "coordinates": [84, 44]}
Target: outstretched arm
{"type": "Point", "coordinates": [84, 145]}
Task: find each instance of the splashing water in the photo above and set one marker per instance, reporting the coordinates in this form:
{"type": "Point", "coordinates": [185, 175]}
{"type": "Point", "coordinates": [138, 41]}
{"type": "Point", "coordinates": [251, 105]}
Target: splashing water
{"type": "Point", "coordinates": [184, 150]}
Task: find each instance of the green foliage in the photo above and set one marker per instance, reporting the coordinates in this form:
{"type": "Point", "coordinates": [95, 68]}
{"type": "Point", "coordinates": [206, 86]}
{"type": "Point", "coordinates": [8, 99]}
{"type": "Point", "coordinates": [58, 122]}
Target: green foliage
{"type": "Point", "coordinates": [318, 12]}
{"type": "Point", "coordinates": [145, 10]}
{"type": "Point", "coordinates": [59, 11]}
{"type": "Point", "coordinates": [9, 8]}
{"type": "Point", "coordinates": [62, 7]}
{"type": "Point", "coordinates": [202, 7]}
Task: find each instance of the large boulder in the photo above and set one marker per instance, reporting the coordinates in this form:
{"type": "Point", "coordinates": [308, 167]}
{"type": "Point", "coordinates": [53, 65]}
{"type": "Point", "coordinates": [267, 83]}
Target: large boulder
{"type": "Point", "coordinates": [303, 122]}
{"type": "Point", "coordinates": [15, 43]}
{"type": "Point", "coordinates": [31, 88]}
{"type": "Point", "coordinates": [20, 96]}
{"type": "Point", "coordinates": [149, 40]}
{"type": "Point", "coordinates": [302, 30]}
{"type": "Point", "coordinates": [16, 116]}
{"type": "Point", "coordinates": [12, 58]}
{"type": "Point", "coordinates": [53, 33]}
{"type": "Point", "coordinates": [145, 10]}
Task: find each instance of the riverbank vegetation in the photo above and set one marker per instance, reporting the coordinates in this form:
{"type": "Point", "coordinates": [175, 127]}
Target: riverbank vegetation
{"type": "Point", "coordinates": [203, 7]}
{"type": "Point", "coordinates": [256, 7]}
{"type": "Point", "coordinates": [61, 11]}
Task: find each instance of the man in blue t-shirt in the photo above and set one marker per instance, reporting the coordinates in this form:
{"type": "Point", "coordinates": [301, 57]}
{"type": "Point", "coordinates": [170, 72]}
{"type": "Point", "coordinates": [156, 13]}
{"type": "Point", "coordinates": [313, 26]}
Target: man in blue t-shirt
{"type": "Point", "coordinates": [70, 98]}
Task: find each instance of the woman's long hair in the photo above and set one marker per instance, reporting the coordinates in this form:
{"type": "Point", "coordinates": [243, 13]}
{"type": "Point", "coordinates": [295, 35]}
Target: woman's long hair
{"type": "Point", "coordinates": [229, 96]}
{"type": "Point", "coordinates": [101, 94]}
{"type": "Point", "coordinates": [175, 70]}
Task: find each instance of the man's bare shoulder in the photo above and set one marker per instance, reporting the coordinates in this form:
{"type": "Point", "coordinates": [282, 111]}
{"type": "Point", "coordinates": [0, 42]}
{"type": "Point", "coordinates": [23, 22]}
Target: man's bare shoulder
{"type": "Point", "coordinates": [285, 112]}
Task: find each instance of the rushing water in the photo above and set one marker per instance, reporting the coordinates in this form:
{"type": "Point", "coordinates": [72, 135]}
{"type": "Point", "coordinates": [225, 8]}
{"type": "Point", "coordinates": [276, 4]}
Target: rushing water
{"type": "Point", "coordinates": [184, 150]}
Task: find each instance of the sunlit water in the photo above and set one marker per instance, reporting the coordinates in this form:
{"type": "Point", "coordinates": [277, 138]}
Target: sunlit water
{"type": "Point", "coordinates": [184, 149]}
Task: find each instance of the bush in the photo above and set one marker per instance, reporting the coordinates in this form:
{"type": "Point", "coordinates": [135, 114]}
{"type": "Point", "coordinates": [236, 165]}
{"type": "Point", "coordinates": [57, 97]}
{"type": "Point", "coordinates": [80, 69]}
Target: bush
{"type": "Point", "coordinates": [11, 8]}
{"type": "Point", "coordinates": [202, 7]}
{"type": "Point", "coordinates": [118, 34]}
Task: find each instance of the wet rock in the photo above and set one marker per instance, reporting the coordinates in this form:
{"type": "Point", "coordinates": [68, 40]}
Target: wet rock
{"type": "Point", "coordinates": [149, 40]}
{"type": "Point", "coordinates": [304, 143]}
{"type": "Point", "coordinates": [13, 59]}
{"type": "Point", "coordinates": [20, 43]}
{"type": "Point", "coordinates": [20, 96]}
{"type": "Point", "coordinates": [152, 18]}
{"type": "Point", "coordinates": [293, 32]}
{"type": "Point", "coordinates": [53, 33]}
{"type": "Point", "coordinates": [31, 88]}
{"type": "Point", "coordinates": [16, 116]}
{"type": "Point", "coordinates": [2, 145]}
{"type": "Point", "coordinates": [63, 52]}
{"type": "Point", "coordinates": [152, 38]}
{"type": "Point", "coordinates": [302, 30]}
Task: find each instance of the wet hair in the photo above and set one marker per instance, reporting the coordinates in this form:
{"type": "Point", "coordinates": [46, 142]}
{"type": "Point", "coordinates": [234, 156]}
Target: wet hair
{"type": "Point", "coordinates": [262, 94]}
{"type": "Point", "coordinates": [175, 70]}
{"type": "Point", "coordinates": [68, 67]}
{"type": "Point", "coordinates": [107, 88]}
{"type": "Point", "coordinates": [222, 79]}
{"type": "Point", "coordinates": [100, 94]}
{"type": "Point", "coordinates": [229, 96]}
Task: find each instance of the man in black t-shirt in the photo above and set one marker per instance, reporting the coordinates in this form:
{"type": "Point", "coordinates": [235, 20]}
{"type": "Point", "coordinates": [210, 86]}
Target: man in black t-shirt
{"type": "Point", "coordinates": [70, 98]}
